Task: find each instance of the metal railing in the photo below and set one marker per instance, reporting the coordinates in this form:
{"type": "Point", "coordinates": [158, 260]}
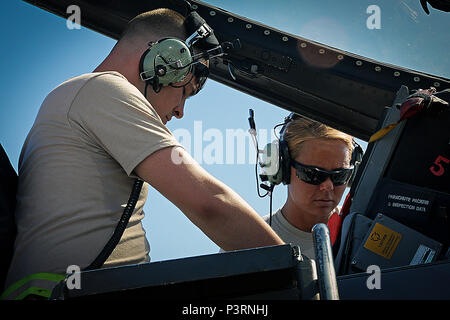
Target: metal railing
{"type": "Point", "coordinates": [326, 274]}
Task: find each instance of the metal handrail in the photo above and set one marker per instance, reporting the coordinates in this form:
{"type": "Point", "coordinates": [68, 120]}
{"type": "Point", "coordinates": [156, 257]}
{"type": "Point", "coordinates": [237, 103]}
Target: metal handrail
{"type": "Point", "coordinates": [326, 274]}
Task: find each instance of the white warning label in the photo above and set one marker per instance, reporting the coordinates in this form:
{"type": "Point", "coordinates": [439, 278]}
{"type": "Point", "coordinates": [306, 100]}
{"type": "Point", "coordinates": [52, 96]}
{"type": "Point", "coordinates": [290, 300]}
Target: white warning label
{"type": "Point", "coordinates": [408, 203]}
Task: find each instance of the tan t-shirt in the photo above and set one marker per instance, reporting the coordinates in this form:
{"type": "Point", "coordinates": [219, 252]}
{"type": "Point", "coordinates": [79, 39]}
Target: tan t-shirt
{"type": "Point", "coordinates": [76, 175]}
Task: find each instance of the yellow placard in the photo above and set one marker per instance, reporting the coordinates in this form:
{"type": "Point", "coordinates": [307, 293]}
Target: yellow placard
{"type": "Point", "coordinates": [383, 241]}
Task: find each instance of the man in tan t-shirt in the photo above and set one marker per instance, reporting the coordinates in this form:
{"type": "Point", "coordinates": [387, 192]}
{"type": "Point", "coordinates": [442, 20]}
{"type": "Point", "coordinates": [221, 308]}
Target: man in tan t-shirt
{"type": "Point", "coordinates": [93, 136]}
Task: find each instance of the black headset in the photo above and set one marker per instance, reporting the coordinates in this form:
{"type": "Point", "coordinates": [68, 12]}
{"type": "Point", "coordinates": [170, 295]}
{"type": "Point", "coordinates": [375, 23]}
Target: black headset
{"type": "Point", "coordinates": [276, 165]}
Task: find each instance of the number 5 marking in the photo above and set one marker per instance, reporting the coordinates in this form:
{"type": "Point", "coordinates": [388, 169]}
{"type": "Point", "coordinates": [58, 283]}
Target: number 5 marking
{"type": "Point", "coordinates": [437, 163]}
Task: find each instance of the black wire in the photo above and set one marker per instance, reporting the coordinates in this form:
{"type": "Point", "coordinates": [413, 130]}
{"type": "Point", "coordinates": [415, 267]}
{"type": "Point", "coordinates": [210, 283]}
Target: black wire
{"type": "Point", "coordinates": [256, 171]}
{"type": "Point", "coordinates": [145, 89]}
{"type": "Point", "coordinates": [269, 192]}
{"type": "Point", "coordinates": [257, 184]}
{"type": "Point", "coordinates": [270, 206]}
{"type": "Point", "coordinates": [120, 228]}
{"type": "Point", "coordinates": [271, 187]}
{"type": "Point", "coordinates": [278, 125]}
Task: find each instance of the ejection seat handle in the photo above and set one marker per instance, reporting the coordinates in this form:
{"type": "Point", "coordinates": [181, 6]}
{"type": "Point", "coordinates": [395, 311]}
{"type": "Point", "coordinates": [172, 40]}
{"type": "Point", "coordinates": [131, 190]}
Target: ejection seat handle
{"type": "Point", "coordinates": [326, 275]}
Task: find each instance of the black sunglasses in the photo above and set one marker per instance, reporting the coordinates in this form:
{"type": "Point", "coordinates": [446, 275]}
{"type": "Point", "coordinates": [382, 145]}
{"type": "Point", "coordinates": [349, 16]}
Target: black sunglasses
{"type": "Point", "coordinates": [201, 73]}
{"type": "Point", "coordinates": [316, 176]}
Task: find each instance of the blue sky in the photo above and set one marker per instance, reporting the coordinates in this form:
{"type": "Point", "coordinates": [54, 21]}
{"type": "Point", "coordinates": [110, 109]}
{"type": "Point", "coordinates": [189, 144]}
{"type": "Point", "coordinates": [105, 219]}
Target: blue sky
{"type": "Point", "coordinates": [39, 52]}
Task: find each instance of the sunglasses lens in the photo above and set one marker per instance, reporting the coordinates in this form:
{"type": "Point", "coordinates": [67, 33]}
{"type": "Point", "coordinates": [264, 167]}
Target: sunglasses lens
{"type": "Point", "coordinates": [310, 175]}
{"type": "Point", "coordinates": [341, 177]}
{"type": "Point", "coordinates": [317, 176]}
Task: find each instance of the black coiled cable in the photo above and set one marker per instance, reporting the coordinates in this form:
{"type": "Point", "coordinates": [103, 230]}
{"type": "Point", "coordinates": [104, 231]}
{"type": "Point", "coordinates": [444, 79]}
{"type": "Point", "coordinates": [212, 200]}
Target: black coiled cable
{"type": "Point", "coordinates": [120, 228]}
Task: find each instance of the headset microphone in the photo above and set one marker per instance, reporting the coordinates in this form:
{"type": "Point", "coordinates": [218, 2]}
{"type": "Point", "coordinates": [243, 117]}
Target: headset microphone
{"type": "Point", "coordinates": [268, 188]}
{"type": "Point", "coordinates": [251, 121]}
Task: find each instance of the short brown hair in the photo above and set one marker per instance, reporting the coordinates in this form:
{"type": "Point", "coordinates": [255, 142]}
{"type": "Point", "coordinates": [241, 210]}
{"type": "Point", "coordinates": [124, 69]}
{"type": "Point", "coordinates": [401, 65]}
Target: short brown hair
{"type": "Point", "coordinates": [156, 23]}
{"type": "Point", "coordinates": [302, 129]}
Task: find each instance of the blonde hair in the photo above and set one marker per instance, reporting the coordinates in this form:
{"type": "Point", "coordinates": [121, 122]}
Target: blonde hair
{"type": "Point", "coordinates": [302, 129]}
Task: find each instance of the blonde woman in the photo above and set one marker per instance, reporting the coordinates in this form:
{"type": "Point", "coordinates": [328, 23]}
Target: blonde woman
{"type": "Point", "coordinates": [317, 171]}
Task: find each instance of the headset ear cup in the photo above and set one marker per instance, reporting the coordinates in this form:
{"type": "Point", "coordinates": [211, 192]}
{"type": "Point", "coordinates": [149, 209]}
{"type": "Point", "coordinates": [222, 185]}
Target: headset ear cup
{"type": "Point", "coordinates": [141, 62]}
{"type": "Point", "coordinates": [277, 158]}
{"type": "Point", "coordinates": [168, 61]}
{"type": "Point", "coordinates": [142, 71]}
{"type": "Point", "coordinates": [270, 165]}
{"type": "Point", "coordinates": [285, 157]}
{"type": "Point", "coordinates": [285, 162]}
{"type": "Point", "coordinates": [355, 161]}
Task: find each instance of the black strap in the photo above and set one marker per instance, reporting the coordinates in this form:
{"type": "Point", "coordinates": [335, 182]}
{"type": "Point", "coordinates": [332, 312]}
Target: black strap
{"type": "Point", "coordinates": [123, 222]}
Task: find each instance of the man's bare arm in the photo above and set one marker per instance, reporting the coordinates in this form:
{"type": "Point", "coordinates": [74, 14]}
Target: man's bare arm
{"type": "Point", "coordinates": [211, 205]}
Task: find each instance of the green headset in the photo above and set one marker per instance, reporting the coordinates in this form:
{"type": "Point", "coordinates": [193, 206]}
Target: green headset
{"type": "Point", "coordinates": [170, 60]}
{"type": "Point", "coordinates": [276, 162]}
{"type": "Point", "coordinates": [165, 62]}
